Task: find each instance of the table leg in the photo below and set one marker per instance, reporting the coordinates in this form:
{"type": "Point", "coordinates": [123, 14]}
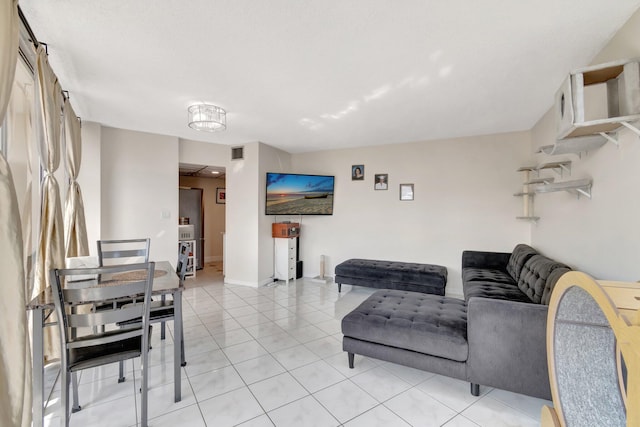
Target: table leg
{"type": "Point", "coordinates": [177, 339]}
{"type": "Point", "coordinates": [37, 380]}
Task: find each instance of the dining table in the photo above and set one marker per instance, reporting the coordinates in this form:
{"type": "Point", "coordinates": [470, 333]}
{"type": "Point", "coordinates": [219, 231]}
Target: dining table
{"type": "Point", "coordinates": [42, 307]}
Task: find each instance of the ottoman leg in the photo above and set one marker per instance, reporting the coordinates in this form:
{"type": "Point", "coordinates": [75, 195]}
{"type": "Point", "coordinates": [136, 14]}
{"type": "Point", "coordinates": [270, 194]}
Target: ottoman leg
{"type": "Point", "coordinates": [339, 287]}
{"type": "Point", "coordinates": [475, 389]}
{"type": "Point", "coordinates": [350, 360]}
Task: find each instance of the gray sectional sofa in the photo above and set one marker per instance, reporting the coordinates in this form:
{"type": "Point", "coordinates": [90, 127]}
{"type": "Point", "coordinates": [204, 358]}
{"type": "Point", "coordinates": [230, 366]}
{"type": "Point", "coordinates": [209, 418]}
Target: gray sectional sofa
{"type": "Point", "coordinates": [507, 297]}
{"type": "Point", "coordinates": [495, 337]}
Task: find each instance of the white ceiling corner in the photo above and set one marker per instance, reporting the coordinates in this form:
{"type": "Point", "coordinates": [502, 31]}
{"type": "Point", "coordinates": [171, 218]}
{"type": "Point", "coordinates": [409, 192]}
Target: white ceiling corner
{"type": "Point", "coordinates": [307, 75]}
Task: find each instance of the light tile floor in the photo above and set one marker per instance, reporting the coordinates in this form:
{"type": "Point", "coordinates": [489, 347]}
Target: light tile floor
{"type": "Point", "coordinates": [273, 356]}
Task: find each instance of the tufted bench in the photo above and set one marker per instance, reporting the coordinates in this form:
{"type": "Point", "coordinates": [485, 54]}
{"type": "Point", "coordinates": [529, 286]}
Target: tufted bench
{"type": "Point", "coordinates": [405, 276]}
{"type": "Point", "coordinates": [420, 330]}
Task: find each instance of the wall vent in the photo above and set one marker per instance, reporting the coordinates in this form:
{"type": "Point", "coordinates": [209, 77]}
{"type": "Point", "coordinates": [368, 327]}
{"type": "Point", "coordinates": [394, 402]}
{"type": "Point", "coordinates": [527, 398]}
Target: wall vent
{"type": "Point", "coordinates": [237, 153]}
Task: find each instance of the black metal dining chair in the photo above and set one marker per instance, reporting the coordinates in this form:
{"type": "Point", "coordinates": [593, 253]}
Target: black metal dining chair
{"type": "Point", "coordinates": [162, 311]}
{"type": "Point", "coordinates": [81, 346]}
{"type": "Point", "coordinates": [111, 252]}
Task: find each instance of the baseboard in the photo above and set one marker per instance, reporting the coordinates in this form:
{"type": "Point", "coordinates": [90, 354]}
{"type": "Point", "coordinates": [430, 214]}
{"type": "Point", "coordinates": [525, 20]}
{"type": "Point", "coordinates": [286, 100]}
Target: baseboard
{"type": "Point", "coordinates": [213, 258]}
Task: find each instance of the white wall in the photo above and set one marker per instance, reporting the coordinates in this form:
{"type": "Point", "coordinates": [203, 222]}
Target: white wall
{"type": "Point", "coordinates": [90, 182]}
{"type": "Point", "coordinates": [600, 236]}
{"type": "Point", "coordinates": [463, 200]}
{"type": "Point", "coordinates": [271, 160]}
{"type": "Point", "coordinates": [242, 235]}
{"type": "Point", "coordinates": [139, 189]}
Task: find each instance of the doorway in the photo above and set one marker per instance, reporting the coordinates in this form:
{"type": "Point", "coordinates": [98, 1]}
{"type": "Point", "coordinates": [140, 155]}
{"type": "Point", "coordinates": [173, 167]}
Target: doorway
{"type": "Point", "coordinates": [202, 190]}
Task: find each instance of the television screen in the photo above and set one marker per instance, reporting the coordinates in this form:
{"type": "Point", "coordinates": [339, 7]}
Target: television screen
{"type": "Point", "coordinates": [297, 194]}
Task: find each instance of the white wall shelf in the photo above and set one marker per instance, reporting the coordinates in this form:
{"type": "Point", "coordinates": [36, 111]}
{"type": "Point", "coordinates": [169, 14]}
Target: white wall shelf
{"type": "Point", "coordinates": [578, 145]}
{"type": "Point", "coordinates": [533, 219]}
{"type": "Point", "coordinates": [540, 181]}
{"type": "Point", "coordinates": [579, 187]}
{"type": "Point", "coordinates": [558, 167]}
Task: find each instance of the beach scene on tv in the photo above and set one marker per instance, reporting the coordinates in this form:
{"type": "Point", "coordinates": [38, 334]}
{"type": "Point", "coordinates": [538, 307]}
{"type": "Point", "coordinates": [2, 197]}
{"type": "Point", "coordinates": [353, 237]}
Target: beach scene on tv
{"type": "Point", "coordinates": [292, 194]}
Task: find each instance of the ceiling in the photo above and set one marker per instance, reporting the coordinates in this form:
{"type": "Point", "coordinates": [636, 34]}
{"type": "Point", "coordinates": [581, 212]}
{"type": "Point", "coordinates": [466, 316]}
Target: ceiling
{"type": "Point", "coordinates": [201, 171]}
{"type": "Point", "coordinates": [305, 75]}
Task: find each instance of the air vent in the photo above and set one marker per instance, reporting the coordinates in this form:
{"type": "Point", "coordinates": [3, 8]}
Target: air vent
{"type": "Point", "coordinates": [237, 153]}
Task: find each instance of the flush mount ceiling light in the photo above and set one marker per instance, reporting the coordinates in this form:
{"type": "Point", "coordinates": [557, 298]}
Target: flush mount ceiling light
{"type": "Point", "coordinates": [207, 117]}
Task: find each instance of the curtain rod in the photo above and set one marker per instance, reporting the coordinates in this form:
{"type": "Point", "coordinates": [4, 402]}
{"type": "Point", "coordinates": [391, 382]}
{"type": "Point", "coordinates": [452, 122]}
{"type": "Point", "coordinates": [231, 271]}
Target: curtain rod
{"type": "Point", "coordinates": [27, 27]}
{"type": "Point", "coordinates": [36, 43]}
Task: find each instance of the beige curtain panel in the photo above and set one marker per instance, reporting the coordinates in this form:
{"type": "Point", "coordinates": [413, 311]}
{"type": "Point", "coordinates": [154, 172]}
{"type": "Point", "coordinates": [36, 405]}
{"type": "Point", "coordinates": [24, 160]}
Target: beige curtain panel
{"type": "Point", "coordinates": [51, 240]}
{"type": "Point", "coordinates": [15, 354]}
{"type": "Point", "coordinates": [75, 227]}
{"type": "Point", "coordinates": [19, 132]}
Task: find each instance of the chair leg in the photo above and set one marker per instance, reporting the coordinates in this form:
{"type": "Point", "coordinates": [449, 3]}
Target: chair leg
{"type": "Point", "coordinates": [183, 362]}
{"type": "Point", "coordinates": [351, 357]}
{"type": "Point", "coordinates": [121, 377]}
{"type": "Point", "coordinates": [162, 327]}
{"type": "Point", "coordinates": [64, 396]}
{"type": "Point", "coordinates": [74, 386]}
{"type": "Point", "coordinates": [339, 287]}
{"type": "Point", "coordinates": [145, 384]}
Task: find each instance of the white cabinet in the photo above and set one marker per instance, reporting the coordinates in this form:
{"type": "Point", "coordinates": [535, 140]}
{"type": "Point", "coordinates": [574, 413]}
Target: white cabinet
{"type": "Point", "coordinates": [191, 263]}
{"type": "Point", "coordinates": [284, 258]}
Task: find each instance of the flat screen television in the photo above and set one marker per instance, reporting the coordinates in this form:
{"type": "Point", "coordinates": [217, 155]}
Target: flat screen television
{"type": "Point", "coordinates": [298, 194]}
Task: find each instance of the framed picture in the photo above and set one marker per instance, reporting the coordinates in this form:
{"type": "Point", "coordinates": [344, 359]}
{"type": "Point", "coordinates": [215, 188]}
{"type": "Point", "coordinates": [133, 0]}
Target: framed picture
{"type": "Point", "coordinates": [357, 173]}
{"type": "Point", "coordinates": [406, 191]}
{"type": "Point", "coordinates": [381, 181]}
{"type": "Point", "coordinates": [221, 198]}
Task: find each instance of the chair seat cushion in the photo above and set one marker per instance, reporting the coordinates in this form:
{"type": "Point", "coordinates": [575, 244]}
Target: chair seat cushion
{"type": "Point", "coordinates": [97, 355]}
{"type": "Point", "coordinates": [424, 323]}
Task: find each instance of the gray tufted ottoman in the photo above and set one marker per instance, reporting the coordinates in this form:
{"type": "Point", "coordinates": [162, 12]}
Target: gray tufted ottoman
{"type": "Point", "coordinates": [405, 276]}
{"type": "Point", "coordinates": [423, 331]}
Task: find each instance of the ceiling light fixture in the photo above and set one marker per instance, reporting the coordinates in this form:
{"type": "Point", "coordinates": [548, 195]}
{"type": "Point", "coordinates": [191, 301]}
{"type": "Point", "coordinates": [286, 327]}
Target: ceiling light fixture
{"type": "Point", "coordinates": [207, 117]}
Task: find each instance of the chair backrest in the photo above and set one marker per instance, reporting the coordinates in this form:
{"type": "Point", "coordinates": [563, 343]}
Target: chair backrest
{"type": "Point", "coordinates": [112, 252]}
{"type": "Point", "coordinates": [117, 283]}
{"type": "Point", "coordinates": [183, 260]}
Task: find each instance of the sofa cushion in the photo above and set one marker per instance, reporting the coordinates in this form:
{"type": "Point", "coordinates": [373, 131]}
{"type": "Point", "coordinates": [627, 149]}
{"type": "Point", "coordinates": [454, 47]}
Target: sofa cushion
{"type": "Point", "coordinates": [425, 323]}
{"type": "Point", "coordinates": [534, 275]}
{"type": "Point", "coordinates": [486, 275]}
{"type": "Point", "coordinates": [554, 276]}
{"type": "Point", "coordinates": [494, 290]}
{"type": "Point", "coordinates": [520, 255]}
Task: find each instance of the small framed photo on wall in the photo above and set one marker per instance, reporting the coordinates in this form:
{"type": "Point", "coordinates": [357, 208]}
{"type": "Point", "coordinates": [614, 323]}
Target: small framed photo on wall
{"type": "Point", "coordinates": [221, 196]}
{"type": "Point", "coordinates": [357, 173]}
{"type": "Point", "coordinates": [381, 181]}
{"type": "Point", "coordinates": [406, 191]}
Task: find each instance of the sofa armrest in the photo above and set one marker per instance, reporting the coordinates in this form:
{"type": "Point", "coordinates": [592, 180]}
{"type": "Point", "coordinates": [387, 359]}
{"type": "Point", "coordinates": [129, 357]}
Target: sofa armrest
{"type": "Point", "coordinates": [492, 260]}
{"type": "Point", "coordinates": [507, 346]}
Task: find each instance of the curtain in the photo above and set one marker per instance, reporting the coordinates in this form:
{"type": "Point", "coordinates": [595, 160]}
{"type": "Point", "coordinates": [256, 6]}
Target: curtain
{"type": "Point", "coordinates": [27, 204]}
{"type": "Point", "coordinates": [15, 354]}
{"type": "Point", "coordinates": [75, 228]}
{"type": "Point", "coordinates": [19, 124]}
{"type": "Point", "coordinates": [50, 252]}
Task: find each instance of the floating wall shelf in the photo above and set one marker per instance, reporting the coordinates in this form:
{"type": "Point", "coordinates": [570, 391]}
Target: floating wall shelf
{"type": "Point", "coordinates": [540, 181]}
{"type": "Point", "coordinates": [558, 167]}
{"type": "Point", "coordinates": [578, 187]}
{"type": "Point", "coordinates": [533, 219]}
{"type": "Point", "coordinates": [578, 145]}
